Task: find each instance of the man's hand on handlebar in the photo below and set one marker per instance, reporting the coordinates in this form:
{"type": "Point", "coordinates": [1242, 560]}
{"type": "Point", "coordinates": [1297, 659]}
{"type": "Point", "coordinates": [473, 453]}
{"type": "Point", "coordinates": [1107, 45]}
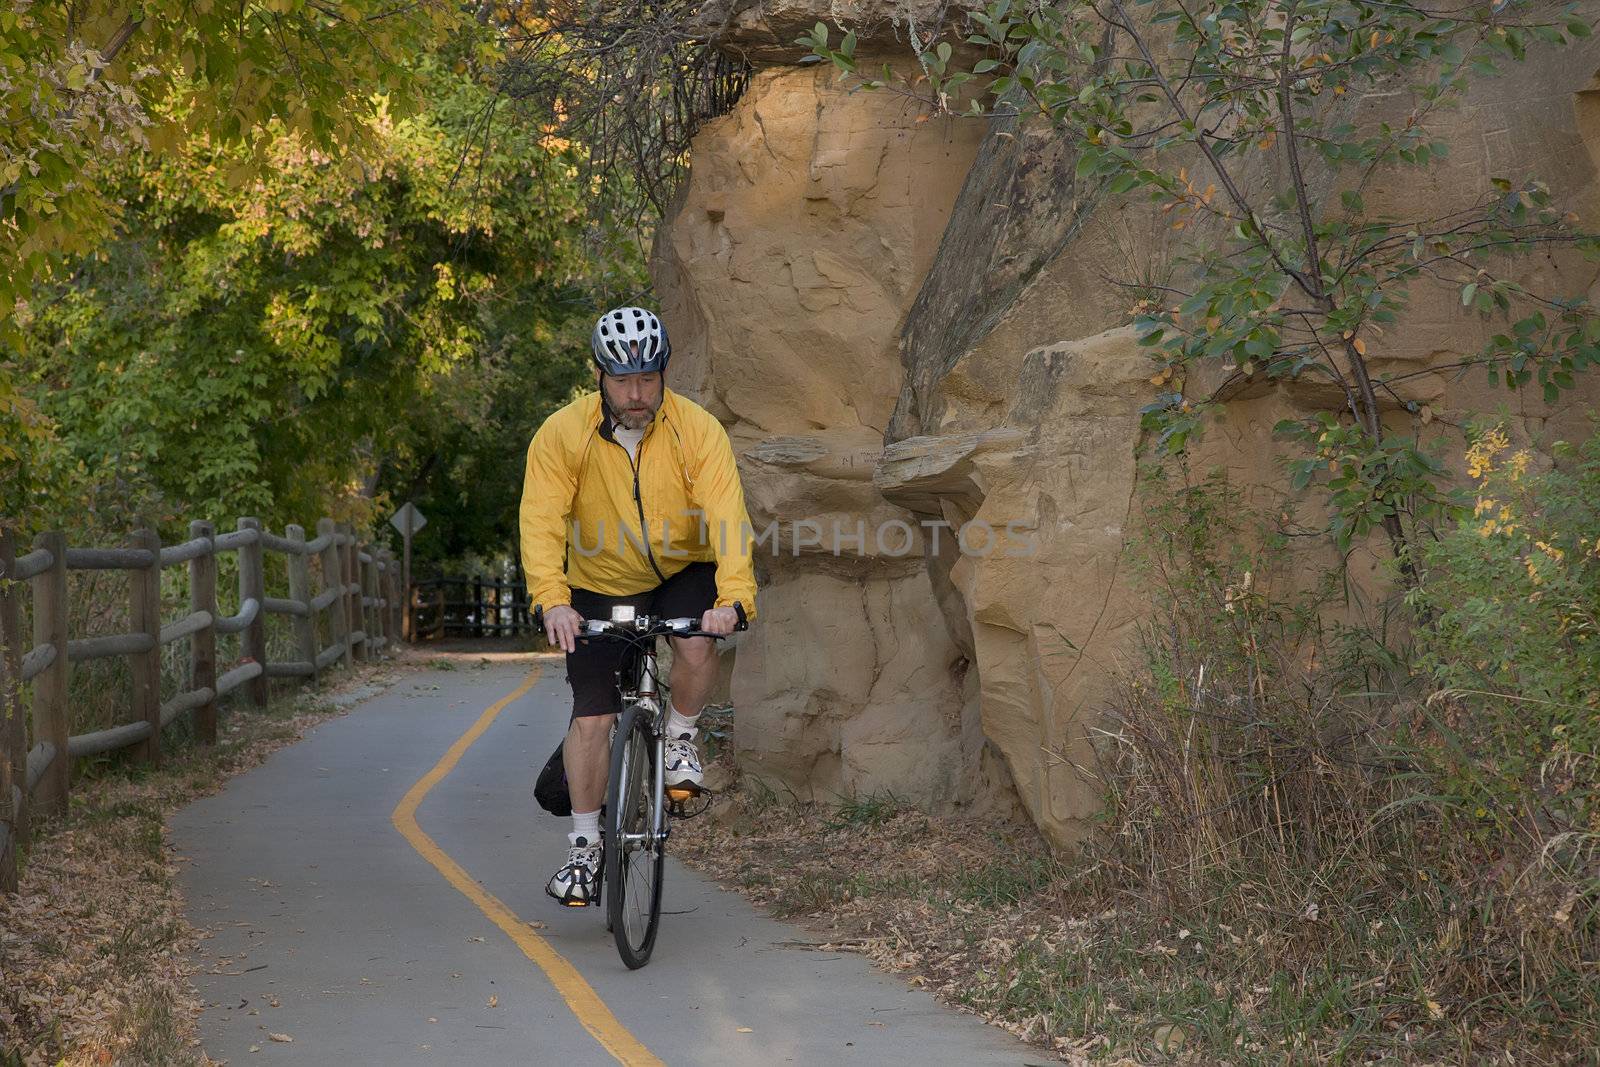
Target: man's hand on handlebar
{"type": "Point", "coordinates": [561, 626]}
{"type": "Point", "coordinates": [719, 621]}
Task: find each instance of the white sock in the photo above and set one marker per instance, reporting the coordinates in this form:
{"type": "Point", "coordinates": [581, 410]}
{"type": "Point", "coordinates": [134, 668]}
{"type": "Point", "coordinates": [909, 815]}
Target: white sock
{"type": "Point", "coordinates": [680, 725]}
{"type": "Point", "coordinates": [585, 827]}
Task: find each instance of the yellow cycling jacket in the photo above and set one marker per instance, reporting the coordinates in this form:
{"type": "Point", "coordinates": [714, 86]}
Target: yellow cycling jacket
{"type": "Point", "coordinates": [584, 503]}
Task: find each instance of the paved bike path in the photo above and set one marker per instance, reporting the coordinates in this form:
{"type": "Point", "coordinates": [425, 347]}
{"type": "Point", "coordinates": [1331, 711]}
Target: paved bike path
{"type": "Point", "coordinates": [329, 928]}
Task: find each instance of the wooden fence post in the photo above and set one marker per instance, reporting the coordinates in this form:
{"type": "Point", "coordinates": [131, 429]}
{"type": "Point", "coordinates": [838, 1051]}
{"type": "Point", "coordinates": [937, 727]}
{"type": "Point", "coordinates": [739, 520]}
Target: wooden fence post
{"type": "Point", "coordinates": [332, 576]}
{"type": "Point", "coordinates": [364, 648]}
{"type": "Point", "coordinates": [397, 626]}
{"type": "Point", "coordinates": [408, 622]}
{"type": "Point", "coordinates": [144, 612]}
{"type": "Point", "coordinates": [253, 586]}
{"type": "Point", "coordinates": [391, 634]}
{"type": "Point", "coordinates": [352, 618]}
{"type": "Point", "coordinates": [385, 609]}
{"type": "Point", "coordinates": [13, 753]}
{"type": "Point", "coordinates": [352, 612]}
{"type": "Point", "coordinates": [305, 627]}
{"type": "Point", "coordinates": [385, 580]}
{"type": "Point", "coordinates": [369, 591]}
{"type": "Point", "coordinates": [413, 602]}
{"type": "Point", "coordinates": [358, 611]}
{"type": "Point", "coordinates": [370, 583]}
{"type": "Point", "coordinates": [352, 577]}
{"type": "Point", "coordinates": [203, 644]}
{"type": "Point", "coordinates": [50, 723]}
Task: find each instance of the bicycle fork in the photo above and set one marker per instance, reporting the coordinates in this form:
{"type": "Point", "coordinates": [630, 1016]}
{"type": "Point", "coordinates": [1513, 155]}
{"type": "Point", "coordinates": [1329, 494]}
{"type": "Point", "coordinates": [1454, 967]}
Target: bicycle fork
{"type": "Point", "coordinates": [658, 732]}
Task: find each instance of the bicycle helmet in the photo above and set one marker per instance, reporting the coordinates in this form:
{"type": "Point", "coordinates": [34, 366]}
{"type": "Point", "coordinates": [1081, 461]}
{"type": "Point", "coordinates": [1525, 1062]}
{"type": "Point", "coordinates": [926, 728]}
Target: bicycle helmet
{"type": "Point", "coordinates": [630, 340]}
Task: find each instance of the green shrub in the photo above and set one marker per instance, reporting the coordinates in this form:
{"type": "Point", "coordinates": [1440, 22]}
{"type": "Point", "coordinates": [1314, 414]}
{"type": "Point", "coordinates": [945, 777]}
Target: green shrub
{"type": "Point", "coordinates": [1274, 783]}
{"type": "Point", "coordinates": [1512, 595]}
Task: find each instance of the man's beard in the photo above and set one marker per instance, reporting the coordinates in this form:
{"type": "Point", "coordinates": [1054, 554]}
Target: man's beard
{"type": "Point", "coordinates": [635, 420]}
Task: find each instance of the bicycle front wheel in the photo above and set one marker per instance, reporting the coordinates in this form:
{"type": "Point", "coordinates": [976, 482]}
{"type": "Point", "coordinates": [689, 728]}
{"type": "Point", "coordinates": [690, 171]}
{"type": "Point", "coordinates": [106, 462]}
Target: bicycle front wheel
{"type": "Point", "coordinates": [635, 859]}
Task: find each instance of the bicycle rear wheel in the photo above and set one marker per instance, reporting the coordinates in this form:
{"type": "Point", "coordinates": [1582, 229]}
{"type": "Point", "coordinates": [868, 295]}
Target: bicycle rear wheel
{"type": "Point", "coordinates": [634, 859]}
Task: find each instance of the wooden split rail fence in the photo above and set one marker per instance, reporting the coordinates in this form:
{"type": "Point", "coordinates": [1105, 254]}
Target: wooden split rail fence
{"type": "Point", "coordinates": [360, 596]}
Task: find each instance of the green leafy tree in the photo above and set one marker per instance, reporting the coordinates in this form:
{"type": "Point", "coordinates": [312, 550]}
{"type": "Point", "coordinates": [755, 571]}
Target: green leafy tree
{"type": "Point", "coordinates": [288, 345]}
{"type": "Point", "coordinates": [86, 82]}
{"type": "Point", "coordinates": [84, 85]}
{"type": "Point", "coordinates": [1224, 113]}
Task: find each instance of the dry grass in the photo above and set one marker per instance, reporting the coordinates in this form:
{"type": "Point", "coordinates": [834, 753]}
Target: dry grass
{"type": "Point", "coordinates": [1281, 873]}
{"type": "Point", "coordinates": [92, 947]}
{"type": "Point", "coordinates": [1251, 955]}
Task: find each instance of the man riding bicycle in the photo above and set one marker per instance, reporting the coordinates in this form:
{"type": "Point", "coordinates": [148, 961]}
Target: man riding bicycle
{"type": "Point", "coordinates": [631, 497]}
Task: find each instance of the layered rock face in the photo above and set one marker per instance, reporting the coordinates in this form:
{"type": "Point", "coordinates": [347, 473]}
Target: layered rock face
{"type": "Point", "coordinates": [1016, 332]}
{"type": "Point", "coordinates": [910, 322]}
{"type": "Point", "coordinates": [786, 270]}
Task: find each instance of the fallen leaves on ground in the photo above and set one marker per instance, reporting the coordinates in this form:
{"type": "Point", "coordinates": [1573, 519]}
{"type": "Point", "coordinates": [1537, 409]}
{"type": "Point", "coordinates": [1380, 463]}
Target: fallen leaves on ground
{"type": "Point", "coordinates": [798, 860]}
{"type": "Point", "coordinates": [94, 944]}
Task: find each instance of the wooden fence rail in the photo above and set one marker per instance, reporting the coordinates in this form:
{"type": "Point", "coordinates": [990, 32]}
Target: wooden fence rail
{"type": "Point", "coordinates": [361, 599]}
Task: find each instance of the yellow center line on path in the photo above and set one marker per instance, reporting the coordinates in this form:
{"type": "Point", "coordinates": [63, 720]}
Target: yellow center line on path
{"type": "Point", "coordinates": [579, 995]}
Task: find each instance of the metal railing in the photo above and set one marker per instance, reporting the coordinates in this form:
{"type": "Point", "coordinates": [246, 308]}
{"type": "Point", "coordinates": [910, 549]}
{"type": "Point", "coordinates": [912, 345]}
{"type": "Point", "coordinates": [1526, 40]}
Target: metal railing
{"type": "Point", "coordinates": [469, 607]}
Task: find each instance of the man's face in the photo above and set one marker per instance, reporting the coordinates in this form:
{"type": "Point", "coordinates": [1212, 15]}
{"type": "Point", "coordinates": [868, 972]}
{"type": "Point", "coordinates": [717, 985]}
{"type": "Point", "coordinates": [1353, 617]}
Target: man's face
{"type": "Point", "coordinates": [634, 397]}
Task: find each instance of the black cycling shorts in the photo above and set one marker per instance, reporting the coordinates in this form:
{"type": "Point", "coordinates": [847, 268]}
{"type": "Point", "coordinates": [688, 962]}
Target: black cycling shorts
{"type": "Point", "coordinates": [592, 669]}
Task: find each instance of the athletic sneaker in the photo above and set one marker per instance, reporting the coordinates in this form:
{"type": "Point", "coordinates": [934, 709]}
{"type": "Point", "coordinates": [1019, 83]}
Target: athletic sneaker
{"type": "Point", "coordinates": [576, 882]}
{"type": "Point", "coordinates": [683, 765]}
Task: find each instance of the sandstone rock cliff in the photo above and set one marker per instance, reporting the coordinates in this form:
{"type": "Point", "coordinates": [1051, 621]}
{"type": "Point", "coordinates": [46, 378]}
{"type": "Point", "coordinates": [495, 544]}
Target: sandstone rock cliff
{"type": "Point", "coordinates": [792, 255]}
{"type": "Point", "coordinates": [886, 349]}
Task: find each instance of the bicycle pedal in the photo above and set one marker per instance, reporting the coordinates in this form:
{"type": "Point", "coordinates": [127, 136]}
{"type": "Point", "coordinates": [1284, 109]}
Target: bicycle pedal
{"type": "Point", "coordinates": [681, 809]}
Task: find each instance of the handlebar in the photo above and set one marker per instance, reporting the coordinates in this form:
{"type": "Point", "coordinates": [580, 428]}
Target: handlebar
{"type": "Point", "coordinates": [645, 626]}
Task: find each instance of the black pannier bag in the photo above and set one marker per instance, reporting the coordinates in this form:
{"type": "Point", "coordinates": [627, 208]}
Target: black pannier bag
{"type": "Point", "coordinates": [551, 788]}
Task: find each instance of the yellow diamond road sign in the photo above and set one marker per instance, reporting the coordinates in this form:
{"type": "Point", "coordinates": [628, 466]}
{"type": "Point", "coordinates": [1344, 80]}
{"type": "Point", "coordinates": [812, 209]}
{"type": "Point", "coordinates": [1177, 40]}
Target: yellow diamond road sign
{"type": "Point", "coordinates": [408, 515]}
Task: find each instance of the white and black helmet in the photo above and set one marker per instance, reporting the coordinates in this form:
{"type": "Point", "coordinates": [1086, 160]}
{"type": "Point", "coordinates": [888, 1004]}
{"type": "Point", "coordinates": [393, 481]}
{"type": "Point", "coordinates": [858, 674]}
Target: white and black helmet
{"type": "Point", "coordinates": [630, 340]}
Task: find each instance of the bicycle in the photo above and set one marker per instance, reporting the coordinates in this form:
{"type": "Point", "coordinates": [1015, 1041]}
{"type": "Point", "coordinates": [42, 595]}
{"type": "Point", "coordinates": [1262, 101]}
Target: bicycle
{"type": "Point", "coordinates": [634, 827]}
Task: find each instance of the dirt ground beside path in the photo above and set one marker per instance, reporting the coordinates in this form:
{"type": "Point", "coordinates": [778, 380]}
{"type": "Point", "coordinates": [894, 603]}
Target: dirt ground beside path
{"type": "Point", "coordinates": [945, 901]}
{"type": "Point", "coordinates": [93, 946]}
